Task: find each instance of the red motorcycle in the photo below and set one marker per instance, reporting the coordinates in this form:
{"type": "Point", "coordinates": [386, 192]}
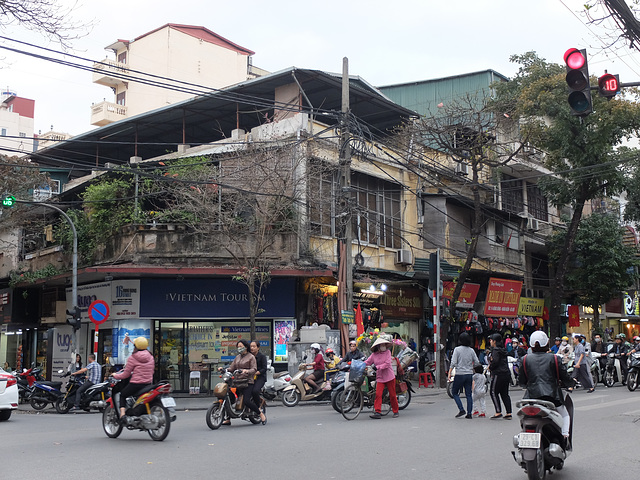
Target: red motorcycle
{"type": "Point", "coordinates": [152, 411]}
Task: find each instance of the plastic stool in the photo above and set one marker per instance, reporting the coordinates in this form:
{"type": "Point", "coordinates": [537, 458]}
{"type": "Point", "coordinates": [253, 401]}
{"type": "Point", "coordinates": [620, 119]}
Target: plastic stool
{"type": "Point", "coordinates": [425, 379]}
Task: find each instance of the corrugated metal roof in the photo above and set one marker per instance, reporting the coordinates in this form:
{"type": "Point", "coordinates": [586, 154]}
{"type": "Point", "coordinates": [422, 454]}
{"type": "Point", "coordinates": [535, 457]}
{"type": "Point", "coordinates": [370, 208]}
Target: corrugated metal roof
{"type": "Point", "coordinates": [424, 96]}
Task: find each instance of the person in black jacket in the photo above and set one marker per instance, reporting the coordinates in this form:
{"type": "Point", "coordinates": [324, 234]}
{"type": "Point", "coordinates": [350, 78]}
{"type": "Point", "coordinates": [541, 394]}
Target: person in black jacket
{"type": "Point", "coordinates": [500, 377]}
{"type": "Point", "coordinates": [261, 377]}
{"type": "Point", "coordinates": [541, 372]}
{"type": "Point", "coordinates": [353, 353]}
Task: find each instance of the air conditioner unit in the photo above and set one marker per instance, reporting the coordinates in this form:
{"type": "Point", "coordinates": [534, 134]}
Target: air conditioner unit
{"type": "Point", "coordinates": [533, 224]}
{"type": "Point", "coordinates": [462, 169]}
{"type": "Point", "coordinates": [403, 257]}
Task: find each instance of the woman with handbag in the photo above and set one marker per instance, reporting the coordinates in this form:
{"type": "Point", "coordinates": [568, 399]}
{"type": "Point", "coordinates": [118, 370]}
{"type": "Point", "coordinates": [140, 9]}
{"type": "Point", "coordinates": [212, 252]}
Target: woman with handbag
{"type": "Point", "coordinates": [246, 363]}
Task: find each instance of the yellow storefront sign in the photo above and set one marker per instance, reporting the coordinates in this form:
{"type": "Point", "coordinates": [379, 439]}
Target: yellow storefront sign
{"type": "Point", "coordinates": [531, 307]}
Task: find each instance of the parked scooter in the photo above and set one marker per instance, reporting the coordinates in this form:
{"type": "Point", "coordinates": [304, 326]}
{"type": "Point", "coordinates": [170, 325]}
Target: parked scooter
{"type": "Point", "coordinates": [540, 445]}
{"type": "Point", "coordinates": [300, 390]}
{"type": "Point", "coordinates": [94, 397]}
{"type": "Point", "coordinates": [152, 411]}
{"type": "Point", "coordinates": [226, 404]}
{"type": "Point", "coordinates": [25, 380]}
{"type": "Point", "coordinates": [597, 373]}
{"type": "Point", "coordinates": [276, 382]}
{"type": "Point", "coordinates": [44, 393]}
{"type": "Point", "coordinates": [633, 377]}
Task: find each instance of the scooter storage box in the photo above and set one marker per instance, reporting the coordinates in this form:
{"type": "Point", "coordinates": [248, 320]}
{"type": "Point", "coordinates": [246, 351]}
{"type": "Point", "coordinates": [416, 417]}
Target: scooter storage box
{"type": "Point", "coordinates": [220, 390]}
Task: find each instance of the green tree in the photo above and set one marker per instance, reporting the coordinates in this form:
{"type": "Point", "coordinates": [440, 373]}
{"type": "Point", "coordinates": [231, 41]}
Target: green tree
{"type": "Point", "coordinates": [601, 265]}
{"type": "Point", "coordinates": [581, 152]}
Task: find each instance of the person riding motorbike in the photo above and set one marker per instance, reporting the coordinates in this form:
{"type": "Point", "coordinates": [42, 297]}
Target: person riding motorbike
{"type": "Point", "coordinates": [334, 360]}
{"type": "Point", "coordinates": [541, 373]}
{"type": "Point", "coordinates": [137, 374]}
{"type": "Point", "coordinates": [620, 348]}
{"type": "Point", "coordinates": [353, 353]}
{"type": "Point", "coordinates": [565, 349]}
{"type": "Point", "coordinates": [318, 368]}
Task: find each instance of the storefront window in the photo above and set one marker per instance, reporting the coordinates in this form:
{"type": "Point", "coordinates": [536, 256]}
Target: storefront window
{"type": "Point", "coordinates": [171, 355]}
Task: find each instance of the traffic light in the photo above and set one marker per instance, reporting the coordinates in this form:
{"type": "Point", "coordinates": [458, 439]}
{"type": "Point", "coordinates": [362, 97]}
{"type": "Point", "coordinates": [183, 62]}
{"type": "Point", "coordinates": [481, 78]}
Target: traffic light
{"type": "Point", "coordinates": [433, 272]}
{"type": "Point", "coordinates": [578, 82]}
{"type": "Point", "coordinates": [76, 318]}
{"type": "Point", "coordinates": [8, 201]}
{"type": "Point", "coordinates": [608, 85]}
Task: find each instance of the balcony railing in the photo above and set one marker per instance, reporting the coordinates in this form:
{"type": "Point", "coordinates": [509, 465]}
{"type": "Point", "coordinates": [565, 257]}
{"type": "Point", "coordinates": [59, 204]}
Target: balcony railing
{"type": "Point", "coordinates": [109, 73]}
{"type": "Point", "coordinates": [104, 113]}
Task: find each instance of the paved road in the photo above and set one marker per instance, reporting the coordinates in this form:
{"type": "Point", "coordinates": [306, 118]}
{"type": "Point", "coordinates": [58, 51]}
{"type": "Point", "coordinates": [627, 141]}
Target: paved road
{"type": "Point", "coordinates": [312, 441]}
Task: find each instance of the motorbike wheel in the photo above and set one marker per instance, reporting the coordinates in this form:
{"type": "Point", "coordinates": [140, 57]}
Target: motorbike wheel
{"type": "Point", "coordinates": [404, 399]}
{"type": "Point", "coordinates": [608, 379]}
{"type": "Point", "coordinates": [164, 422]}
{"type": "Point", "coordinates": [336, 398]}
{"type": "Point", "coordinates": [535, 468]}
{"type": "Point", "coordinates": [62, 405]}
{"type": "Point", "coordinates": [215, 416]}
{"type": "Point", "coordinates": [449, 387]}
{"type": "Point", "coordinates": [254, 418]}
{"type": "Point", "coordinates": [291, 398]}
{"type": "Point", "coordinates": [632, 380]}
{"type": "Point", "coordinates": [38, 403]}
{"type": "Point", "coordinates": [110, 423]}
{"type": "Point", "coordinates": [352, 402]}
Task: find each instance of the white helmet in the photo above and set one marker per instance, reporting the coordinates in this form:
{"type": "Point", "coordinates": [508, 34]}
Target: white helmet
{"type": "Point", "coordinates": [316, 346]}
{"type": "Point", "coordinates": [540, 338]}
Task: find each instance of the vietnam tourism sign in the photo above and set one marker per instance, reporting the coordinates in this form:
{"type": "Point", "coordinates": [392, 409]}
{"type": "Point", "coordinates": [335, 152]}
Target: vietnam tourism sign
{"type": "Point", "coordinates": [503, 297]}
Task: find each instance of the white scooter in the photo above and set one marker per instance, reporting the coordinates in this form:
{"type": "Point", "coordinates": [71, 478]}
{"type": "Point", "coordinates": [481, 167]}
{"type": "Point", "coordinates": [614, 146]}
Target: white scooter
{"type": "Point", "coordinates": [613, 369]}
{"type": "Point", "coordinates": [276, 382]}
{"type": "Point", "coordinates": [540, 445]}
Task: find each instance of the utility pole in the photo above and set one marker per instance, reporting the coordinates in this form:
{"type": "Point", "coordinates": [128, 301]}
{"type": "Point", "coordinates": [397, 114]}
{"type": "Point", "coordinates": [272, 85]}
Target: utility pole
{"type": "Point", "coordinates": [346, 260]}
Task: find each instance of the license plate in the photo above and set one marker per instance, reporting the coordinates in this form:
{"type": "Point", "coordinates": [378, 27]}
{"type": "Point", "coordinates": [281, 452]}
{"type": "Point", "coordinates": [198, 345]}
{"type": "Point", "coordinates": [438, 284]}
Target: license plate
{"type": "Point", "coordinates": [529, 440]}
{"type": "Point", "coordinates": [168, 402]}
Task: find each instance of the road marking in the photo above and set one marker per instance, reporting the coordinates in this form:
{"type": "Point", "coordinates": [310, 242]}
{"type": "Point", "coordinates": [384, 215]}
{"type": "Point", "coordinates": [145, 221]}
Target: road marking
{"type": "Point", "coordinates": [606, 404]}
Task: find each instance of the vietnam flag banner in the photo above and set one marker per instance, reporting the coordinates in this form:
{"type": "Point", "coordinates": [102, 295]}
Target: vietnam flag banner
{"type": "Point", "coordinates": [574, 315]}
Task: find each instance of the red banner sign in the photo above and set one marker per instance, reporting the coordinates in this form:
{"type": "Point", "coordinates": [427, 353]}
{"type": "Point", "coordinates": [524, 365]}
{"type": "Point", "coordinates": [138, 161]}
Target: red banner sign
{"type": "Point", "coordinates": [467, 296]}
{"type": "Point", "coordinates": [503, 298]}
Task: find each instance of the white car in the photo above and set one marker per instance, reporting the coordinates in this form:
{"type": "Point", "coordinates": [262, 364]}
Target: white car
{"type": "Point", "coordinates": [8, 394]}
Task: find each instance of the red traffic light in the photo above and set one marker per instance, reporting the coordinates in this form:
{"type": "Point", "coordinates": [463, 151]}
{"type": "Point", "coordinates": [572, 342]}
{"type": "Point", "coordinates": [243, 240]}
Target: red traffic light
{"type": "Point", "coordinates": [608, 85]}
{"type": "Point", "coordinates": [574, 59]}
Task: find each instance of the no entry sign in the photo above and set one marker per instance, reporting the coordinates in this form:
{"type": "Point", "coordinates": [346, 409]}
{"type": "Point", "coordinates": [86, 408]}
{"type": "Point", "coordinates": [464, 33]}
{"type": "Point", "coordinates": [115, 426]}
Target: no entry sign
{"type": "Point", "coordinates": [98, 311]}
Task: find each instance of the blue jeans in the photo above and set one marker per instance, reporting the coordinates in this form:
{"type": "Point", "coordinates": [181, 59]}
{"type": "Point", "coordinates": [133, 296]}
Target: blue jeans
{"type": "Point", "coordinates": [465, 381]}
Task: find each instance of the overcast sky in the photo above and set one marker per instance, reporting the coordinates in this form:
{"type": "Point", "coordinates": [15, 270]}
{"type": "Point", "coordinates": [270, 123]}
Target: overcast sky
{"type": "Point", "coordinates": [387, 42]}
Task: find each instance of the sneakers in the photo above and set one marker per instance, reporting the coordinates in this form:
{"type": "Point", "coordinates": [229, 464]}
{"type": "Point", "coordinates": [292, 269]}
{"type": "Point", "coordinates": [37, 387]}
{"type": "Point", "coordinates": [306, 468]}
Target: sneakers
{"type": "Point", "coordinates": [74, 409]}
{"type": "Point", "coordinates": [476, 413]}
{"type": "Point", "coordinates": [468, 416]}
{"type": "Point", "coordinates": [396, 415]}
{"type": "Point", "coordinates": [482, 415]}
{"type": "Point", "coordinates": [375, 416]}
{"type": "Point", "coordinates": [461, 413]}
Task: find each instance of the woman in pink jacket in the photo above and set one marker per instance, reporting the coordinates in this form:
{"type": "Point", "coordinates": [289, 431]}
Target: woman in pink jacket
{"type": "Point", "coordinates": [381, 358]}
{"type": "Point", "coordinates": [137, 373]}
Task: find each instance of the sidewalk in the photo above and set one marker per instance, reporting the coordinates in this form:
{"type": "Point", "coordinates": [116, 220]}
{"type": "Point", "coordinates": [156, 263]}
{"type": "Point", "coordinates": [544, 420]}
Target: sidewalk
{"type": "Point", "coordinates": [186, 402]}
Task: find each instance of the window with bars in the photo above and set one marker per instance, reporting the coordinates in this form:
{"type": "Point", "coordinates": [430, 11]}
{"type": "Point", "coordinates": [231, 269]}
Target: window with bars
{"type": "Point", "coordinates": [512, 195]}
{"type": "Point", "coordinates": [537, 203]}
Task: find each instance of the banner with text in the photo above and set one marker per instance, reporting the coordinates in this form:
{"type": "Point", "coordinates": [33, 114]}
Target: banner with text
{"type": "Point", "coordinates": [531, 307]}
{"type": "Point", "coordinates": [467, 296]}
{"type": "Point", "coordinates": [503, 298]}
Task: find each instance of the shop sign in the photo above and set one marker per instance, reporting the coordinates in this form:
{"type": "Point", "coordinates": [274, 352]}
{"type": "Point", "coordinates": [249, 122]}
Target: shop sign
{"type": "Point", "coordinates": [468, 294]}
{"type": "Point", "coordinates": [631, 304]}
{"type": "Point", "coordinates": [503, 298]}
{"type": "Point", "coordinates": [213, 298]}
{"type": "Point", "coordinates": [122, 297]}
{"type": "Point", "coordinates": [531, 307]}
{"type": "Point", "coordinates": [402, 303]}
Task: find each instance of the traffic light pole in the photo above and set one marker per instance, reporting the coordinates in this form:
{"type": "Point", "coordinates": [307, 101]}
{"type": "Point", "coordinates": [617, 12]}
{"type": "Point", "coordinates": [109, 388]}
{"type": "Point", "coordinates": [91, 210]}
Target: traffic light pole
{"type": "Point", "coordinates": [74, 275]}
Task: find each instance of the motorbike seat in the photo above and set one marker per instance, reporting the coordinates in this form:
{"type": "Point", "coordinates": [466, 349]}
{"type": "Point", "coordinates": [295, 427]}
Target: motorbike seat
{"type": "Point", "coordinates": [280, 374]}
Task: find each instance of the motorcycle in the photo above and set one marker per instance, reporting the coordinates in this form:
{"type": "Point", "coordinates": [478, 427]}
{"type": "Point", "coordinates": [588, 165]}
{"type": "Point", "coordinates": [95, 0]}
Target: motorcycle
{"type": "Point", "coordinates": [26, 379]}
{"type": "Point", "coordinates": [613, 369]}
{"type": "Point", "coordinates": [95, 397]}
{"type": "Point", "coordinates": [596, 372]}
{"type": "Point", "coordinates": [227, 404]}
{"type": "Point", "coordinates": [634, 372]}
{"type": "Point", "coordinates": [45, 393]}
{"type": "Point", "coordinates": [152, 411]}
{"type": "Point", "coordinates": [276, 382]}
{"type": "Point", "coordinates": [513, 370]}
{"type": "Point", "coordinates": [300, 390]}
{"type": "Point", "coordinates": [540, 445]}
